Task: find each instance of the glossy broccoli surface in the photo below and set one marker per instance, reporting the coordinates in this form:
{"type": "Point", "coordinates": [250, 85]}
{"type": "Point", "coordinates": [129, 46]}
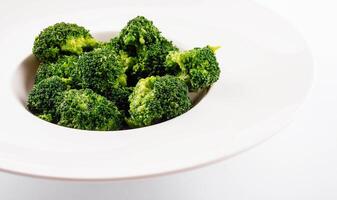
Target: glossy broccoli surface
{"type": "Point", "coordinates": [136, 79]}
{"type": "Point", "coordinates": [84, 109]}
{"type": "Point", "coordinates": [197, 67]}
{"type": "Point", "coordinates": [62, 39]}
{"type": "Point", "coordinates": [44, 97]}
{"type": "Point", "coordinates": [65, 67]}
{"type": "Point", "coordinates": [156, 99]}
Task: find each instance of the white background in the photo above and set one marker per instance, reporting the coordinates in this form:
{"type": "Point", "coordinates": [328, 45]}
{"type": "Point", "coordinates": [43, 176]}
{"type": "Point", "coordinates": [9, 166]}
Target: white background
{"type": "Point", "coordinates": [300, 163]}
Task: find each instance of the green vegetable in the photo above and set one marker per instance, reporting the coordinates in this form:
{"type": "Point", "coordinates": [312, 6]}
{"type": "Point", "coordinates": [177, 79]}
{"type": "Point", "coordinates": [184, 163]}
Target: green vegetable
{"type": "Point", "coordinates": [151, 61]}
{"type": "Point", "coordinates": [101, 70]}
{"type": "Point", "coordinates": [144, 47]}
{"type": "Point", "coordinates": [137, 79]}
{"type": "Point", "coordinates": [197, 67]}
{"type": "Point", "coordinates": [84, 109]}
{"type": "Point", "coordinates": [127, 60]}
{"type": "Point", "coordinates": [156, 99]}
{"type": "Point", "coordinates": [46, 95]}
{"type": "Point", "coordinates": [138, 34]}
{"type": "Point", "coordinates": [62, 39]}
{"type": "Point", "coordinates": [65, 67]}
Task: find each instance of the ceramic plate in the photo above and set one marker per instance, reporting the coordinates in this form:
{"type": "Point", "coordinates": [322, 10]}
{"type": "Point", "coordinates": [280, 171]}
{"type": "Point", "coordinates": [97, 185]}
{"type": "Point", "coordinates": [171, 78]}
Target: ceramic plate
{"type": "Point", "coordinates": [266, 74]}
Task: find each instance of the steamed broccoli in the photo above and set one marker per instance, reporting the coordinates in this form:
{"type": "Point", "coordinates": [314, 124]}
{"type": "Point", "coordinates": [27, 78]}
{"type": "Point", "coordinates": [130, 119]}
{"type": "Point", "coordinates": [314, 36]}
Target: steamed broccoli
{"type": "Point", "coordinates": [137, 79]}
{"type": "Point", "coordinates": [156, 99]}
{"type": "Point", "coordinates": [45, 95]}
{"type": "Point", "coordinates": [138, 33]}
{"type": "Point", "coordinates": [101, 70]}
{"type": "Point", "coordinates": [145, 47]}
{"type": "Point", "coordinates": [197, 67]}
{"type": "Point", "coordinates": [150, 61]}
{"type": "Point", "coordinates": [65, 67]}
{"type": "Point", "coordinates": [62, 39]}
{"type": "Point", "coordinates": [84, 109]}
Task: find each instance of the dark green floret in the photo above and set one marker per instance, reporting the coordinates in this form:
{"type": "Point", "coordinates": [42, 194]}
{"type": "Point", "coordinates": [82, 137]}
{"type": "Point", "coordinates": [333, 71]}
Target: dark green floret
{"type": "Point", "coordinates": [101, 70]}
{"type": "Point", "coordinates": [151, 61]}
{"type": "Point", "coordinates": [62, 39]}
{"type": "Point", "coordinates": [156, 99]}
{"type": "Point", "coordinates": [45, 96]}
{"type": "Point", "coordinates": [65, 67]}
{"type": "Point", "coordinates": [84, 109]}
{"type": "Point", "coordinates": [138, 33]}
{"type": "Point", "coordinates": [144, 46]}
{"type": "Point", "coordinates": [197, 67]}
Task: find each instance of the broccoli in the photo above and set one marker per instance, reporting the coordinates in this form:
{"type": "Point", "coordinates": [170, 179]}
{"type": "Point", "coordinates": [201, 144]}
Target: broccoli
{"type": "Point", "coordinates": [84, 109]}
{"type": "Point", "coordinates": [45, 95]}
{"type": "Point", "coordinates": [62, 39]}
{"type": "Point", "coordinates": [197, 67]}
{"type": "Point", "coordinates": [138, 33]}
{"type": "Point", "coordinates": [151, 61]}
{"type": "Point", "coordinates": [144, 46]}
{"type": "Point", "coordinates": [137, 79]}
{"type": "Point", "coordinates": [65, 67]}
{"type": "Point", "coordinates": [126, 59]}
{"type": "Point", "coordinates": [101, 70]}
{"type": "Point", "coordinates": [156, 99]}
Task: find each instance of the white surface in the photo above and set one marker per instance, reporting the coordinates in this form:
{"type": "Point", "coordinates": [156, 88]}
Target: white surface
{"type": "Point", "coordinates": [266, 74]}
{"type": "Point", "coordinates": [298, 164]}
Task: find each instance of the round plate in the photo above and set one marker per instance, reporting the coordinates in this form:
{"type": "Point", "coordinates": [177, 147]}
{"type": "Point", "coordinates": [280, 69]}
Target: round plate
{"type": "Point", "coordinates": [266, 74]}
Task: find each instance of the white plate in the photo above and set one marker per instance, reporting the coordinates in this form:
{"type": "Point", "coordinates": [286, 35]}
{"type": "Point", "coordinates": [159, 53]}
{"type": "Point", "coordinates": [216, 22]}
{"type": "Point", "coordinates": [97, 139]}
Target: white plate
{"type": "Point", "coordinates": [266, 74]}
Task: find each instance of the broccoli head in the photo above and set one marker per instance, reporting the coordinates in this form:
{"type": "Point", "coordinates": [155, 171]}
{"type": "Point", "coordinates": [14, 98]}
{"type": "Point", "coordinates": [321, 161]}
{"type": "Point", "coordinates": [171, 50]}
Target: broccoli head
{"type": "Point", "coordinates": [64, 67]}
{"type": "Point", "coordinates": [150, 61]}
{"type": "Point", "coordinates": [45, 96]}
{"type": "Point", "coordinates": [197, 67]}
{"type": "Point", "coordinates": [84, 109]}
{"type": "Point", "coordinates": [101, 70]}
{"type": "Point", "coordinates": [138, 33]}
{"type": "Point", "coordinates": [62, 39]}
{"type": "Point", "coordinates": [156, 99]}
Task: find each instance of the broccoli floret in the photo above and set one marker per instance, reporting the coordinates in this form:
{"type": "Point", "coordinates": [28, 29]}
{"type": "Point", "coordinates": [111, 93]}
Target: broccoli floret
{"type": "Point", "coordinates": [62, 39]}
{"type": "Point", "coordinates": [46, 94]}
{"type": "Point", "coordinates": [84, 109]}
{"type": "Point", "coordinates": [151, 61]}
{"type": "Point", "coordinates": [144, 47]}
{"type": "Point", "coordinates": [126, 59]}
{"type": "Point", "coordinates": [197, 67]}
{"type": "Point", "coordinates": [156, 99]}
{"type": "Point", "coordinates": [138, 33]}
{"type": "Point", "coordinates": [65, 67]}
{"type": "Point", "coordinates": [101, 70]}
